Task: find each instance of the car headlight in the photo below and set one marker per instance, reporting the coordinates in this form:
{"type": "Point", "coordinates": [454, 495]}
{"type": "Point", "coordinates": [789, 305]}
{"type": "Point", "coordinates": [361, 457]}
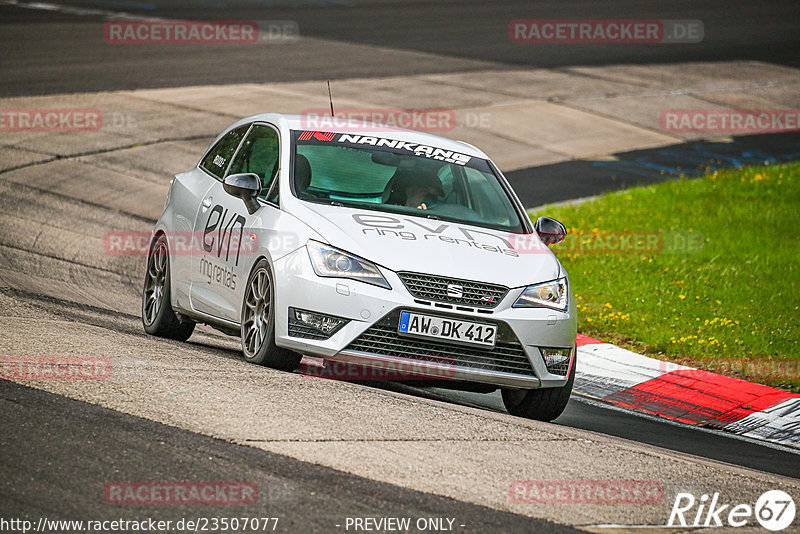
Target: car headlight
{"type": "Point", "coordinates": [331, 262]}
{"type": "Point", "coordinates": [547, 295]}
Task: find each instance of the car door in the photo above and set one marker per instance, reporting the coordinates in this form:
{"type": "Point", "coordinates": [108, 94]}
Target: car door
{"type": "Point", "coordinates": [188, 191]}
{"type": "Point", "coordinates": [221, 264]}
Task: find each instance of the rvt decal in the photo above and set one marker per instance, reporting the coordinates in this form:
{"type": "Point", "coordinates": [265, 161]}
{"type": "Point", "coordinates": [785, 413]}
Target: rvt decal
{"type": "Point", "coordinates": [225, 236]}
{"type": "Point", "coordinates": [384, 225]}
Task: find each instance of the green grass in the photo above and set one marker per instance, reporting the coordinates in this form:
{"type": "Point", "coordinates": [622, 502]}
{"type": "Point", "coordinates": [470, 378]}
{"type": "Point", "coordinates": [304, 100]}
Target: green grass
{"type": "Point", "coordinates": [726, 302]}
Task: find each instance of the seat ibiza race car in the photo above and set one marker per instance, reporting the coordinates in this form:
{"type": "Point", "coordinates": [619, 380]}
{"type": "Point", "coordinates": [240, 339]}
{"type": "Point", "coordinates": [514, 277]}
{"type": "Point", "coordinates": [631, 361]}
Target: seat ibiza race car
{"type": "Point", "coordinates": [371, 245]}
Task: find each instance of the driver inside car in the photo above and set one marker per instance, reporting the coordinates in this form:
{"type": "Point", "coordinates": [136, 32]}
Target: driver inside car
{"type": "Point", "coordinates": [416, 189]}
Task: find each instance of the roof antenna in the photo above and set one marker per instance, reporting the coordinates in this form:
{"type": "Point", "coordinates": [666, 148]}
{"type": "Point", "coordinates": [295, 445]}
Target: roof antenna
{"type": "Point", "coordinates": [330, 98]}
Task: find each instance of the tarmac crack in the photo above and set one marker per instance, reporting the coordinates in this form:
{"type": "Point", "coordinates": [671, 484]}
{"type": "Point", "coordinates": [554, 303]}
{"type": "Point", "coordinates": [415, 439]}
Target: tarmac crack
{"type": "Point", "coordinates": [81, 202]}
{"type": "Point", "coordinates": [66, 260]}
{"type": "Point", "coordinates": [76, 156]}
{"type": "Point", "coordinates": [183, 106]}
{"type": "Point", "coordinates": [617, 119]}
{"type": "Point", "coordinates": [107, 319]}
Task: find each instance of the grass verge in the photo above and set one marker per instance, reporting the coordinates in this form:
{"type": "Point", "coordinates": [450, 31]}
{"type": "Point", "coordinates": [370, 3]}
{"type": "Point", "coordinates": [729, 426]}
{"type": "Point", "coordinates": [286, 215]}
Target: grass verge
{"type": "Point", "coordinates": [702, 272]}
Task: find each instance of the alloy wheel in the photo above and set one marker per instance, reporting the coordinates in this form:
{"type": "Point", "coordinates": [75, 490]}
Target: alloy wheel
{"type": "Point", "coordinates": [257, 312]}
{"type": "Point", "coordinates": [155, 280]}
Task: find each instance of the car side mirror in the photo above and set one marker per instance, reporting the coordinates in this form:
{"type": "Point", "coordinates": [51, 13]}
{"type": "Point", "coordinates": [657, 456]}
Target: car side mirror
{"type": "Point", "coordinates": [550, 230]}
{"type": "Point", "coordinates": [246, 186]}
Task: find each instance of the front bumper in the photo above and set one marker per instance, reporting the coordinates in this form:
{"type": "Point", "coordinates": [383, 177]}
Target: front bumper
{"type": "Point", "coordinates": [371, 312]}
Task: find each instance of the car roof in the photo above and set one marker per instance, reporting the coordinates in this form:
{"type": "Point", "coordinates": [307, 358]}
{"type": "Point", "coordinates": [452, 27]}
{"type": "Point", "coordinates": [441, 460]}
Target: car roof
{"type": "Point", "coordinates": [360, 127]}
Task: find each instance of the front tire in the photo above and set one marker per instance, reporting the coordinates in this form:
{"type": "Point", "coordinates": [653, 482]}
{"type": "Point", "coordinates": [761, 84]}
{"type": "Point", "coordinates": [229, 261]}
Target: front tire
{"type": "Point", "coordinates": [258, 323]}
{"type": "Point", "coordinates": [543, 404]}
{"type": "Point", "coordinates": [158, 317]}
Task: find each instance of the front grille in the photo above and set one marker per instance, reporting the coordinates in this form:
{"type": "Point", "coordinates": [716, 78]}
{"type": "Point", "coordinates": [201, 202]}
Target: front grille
{"type": "Point", "coordinates": [383, 339]}
{"type": "Point", "coordinates": [430, 287]}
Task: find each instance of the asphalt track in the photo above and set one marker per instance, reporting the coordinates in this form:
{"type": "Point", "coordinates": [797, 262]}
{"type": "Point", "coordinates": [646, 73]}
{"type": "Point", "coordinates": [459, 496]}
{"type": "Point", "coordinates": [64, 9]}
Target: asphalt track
{"type": "Point", "coordinates": [97, 445]}
{"type": "Point", "coordinates": [590, 415]}
{"type": "Point", "coordinates": [43, 52]}
{"type": "Point", "coordinates": [49, 52]}
{"type": "Point", "coordinates": [544, 184]}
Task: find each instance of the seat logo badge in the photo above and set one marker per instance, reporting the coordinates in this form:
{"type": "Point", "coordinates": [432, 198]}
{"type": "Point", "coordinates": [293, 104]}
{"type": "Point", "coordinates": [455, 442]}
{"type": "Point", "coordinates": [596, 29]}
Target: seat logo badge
{"type": "Point", "coordinates": [454, 290]}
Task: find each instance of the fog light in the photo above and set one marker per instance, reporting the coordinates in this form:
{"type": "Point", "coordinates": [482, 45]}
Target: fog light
{"type": "Point", "coordinates": [556, 360]}
{"type": "Point", "coordinates": [325, 324]}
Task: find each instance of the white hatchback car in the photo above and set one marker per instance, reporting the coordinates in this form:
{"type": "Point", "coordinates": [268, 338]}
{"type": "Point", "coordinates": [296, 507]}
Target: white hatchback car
{"type": "Point", "coordinates": [379, 247]}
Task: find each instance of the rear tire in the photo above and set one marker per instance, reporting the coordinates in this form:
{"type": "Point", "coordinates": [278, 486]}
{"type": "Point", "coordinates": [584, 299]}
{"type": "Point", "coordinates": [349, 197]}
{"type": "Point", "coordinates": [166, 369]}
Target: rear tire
{"type": "Point", "coordinates": [543, 404]}
{"type": "Point", "coordinates": [258, 323]}
{"type": "Point", "coordinates": [158, 317]}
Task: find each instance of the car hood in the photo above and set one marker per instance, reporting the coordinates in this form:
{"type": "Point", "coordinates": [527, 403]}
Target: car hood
{"type": "Point", "coordinates": [405, 243]}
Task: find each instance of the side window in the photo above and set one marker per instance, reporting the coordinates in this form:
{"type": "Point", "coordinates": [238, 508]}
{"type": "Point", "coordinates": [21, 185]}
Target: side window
{"type": "Point", "coordinates": [218, 157]}
{"type": "Point", "coordinates": [259, 154]}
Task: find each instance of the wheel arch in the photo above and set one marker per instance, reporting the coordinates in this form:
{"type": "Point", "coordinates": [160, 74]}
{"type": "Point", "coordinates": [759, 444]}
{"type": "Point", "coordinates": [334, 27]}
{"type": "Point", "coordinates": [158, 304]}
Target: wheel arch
{"type": "Point", "coordinates": [262, 255]}
{"type": "Point", "coordinates": [158, 232]}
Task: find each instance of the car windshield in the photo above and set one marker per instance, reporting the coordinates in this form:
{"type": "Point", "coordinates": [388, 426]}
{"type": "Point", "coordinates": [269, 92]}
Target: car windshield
{"type": "Point", "coordinates": [400, 177]}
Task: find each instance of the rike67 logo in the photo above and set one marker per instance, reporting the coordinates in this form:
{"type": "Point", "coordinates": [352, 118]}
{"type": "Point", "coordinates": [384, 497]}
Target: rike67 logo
{"type": "Point", "coordinates": [774, 510]}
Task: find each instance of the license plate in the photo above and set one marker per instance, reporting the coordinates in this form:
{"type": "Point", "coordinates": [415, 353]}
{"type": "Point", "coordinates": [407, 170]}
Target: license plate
{"type": "Point", "coordinates": [466, 332]}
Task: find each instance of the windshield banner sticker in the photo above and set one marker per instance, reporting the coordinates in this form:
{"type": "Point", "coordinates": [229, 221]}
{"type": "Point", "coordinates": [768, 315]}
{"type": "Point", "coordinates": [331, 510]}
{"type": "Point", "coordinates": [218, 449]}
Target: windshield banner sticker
{"type": "Point", "coordinates": [417, 149]}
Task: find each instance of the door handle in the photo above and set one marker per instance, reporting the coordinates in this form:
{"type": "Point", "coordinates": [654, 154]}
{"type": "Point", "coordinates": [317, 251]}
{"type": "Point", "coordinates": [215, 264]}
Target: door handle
{"type": "Point", "coordinates": [207, 203]}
